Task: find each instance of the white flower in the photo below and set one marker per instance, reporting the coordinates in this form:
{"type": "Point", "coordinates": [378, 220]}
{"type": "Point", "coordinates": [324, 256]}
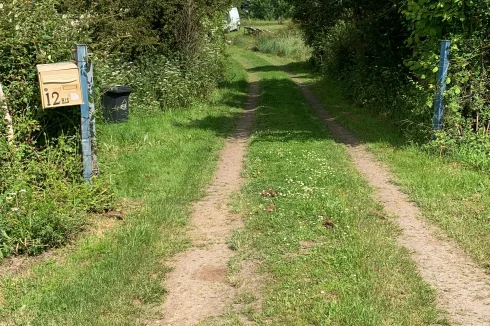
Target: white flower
{"type": "Point", "coordinates": [22, 191]}
{"type": "Point", "coordinates": [15, 209]}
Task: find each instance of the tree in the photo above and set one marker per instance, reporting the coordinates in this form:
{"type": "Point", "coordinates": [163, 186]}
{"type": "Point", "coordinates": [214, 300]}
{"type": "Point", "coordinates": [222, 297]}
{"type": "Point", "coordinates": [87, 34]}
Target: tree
{"type": "Point", "coordinates": [267, 9]}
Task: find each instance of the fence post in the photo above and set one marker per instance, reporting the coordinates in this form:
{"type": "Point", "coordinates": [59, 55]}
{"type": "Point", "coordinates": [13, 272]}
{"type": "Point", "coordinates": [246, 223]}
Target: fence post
{"type": "Point", "coordinates": [91, 104]}
{"type": "Point", "coordinates": [441, 85]}
{"type": "Point", "coordinates": [85, 112]}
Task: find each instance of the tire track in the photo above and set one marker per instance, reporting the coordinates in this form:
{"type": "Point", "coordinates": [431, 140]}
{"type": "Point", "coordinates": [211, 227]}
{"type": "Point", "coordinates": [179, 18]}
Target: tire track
{"type": "Point", "coordinates": [197, 286]}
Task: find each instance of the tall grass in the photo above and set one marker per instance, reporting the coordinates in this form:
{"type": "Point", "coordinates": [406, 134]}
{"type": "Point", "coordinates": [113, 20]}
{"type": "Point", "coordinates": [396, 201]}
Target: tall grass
{"type": "Point", "coordinates": [284, 43]}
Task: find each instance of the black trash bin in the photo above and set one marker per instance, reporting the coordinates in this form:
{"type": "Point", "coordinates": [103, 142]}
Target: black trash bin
{"type": "Point", "coordinates": [115, 103]}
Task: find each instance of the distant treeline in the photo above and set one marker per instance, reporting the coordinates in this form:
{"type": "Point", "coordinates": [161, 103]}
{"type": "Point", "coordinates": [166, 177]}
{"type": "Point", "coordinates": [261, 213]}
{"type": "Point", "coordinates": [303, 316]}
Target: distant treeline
{"type": "Point", "coordinates": [267, 9]}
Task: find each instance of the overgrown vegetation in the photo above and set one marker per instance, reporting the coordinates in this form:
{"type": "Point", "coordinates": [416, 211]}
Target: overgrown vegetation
{"type": "Point", "coordinates": [170, 52]}
{"type": "Point", "coordinates": [386, 55]}
{"type": "Point", "coordinates": [42, 200]}
{"type": "Point", "coordinates": [281, 40]}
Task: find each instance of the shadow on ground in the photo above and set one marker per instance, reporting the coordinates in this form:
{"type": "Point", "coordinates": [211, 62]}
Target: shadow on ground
{"type": "Point", "coordinates": [368, 126]}
{"type": "Point", "coordinates": [281, 95]}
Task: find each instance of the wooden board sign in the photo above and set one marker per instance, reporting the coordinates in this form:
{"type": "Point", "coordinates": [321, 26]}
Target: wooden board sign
{"type": "Point", "coordinates": [59, 84]}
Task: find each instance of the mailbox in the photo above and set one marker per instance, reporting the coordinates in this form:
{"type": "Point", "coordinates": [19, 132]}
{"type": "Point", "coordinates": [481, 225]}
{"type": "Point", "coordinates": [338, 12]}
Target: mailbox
{"type": "Point", "coordinates": [59, 84]}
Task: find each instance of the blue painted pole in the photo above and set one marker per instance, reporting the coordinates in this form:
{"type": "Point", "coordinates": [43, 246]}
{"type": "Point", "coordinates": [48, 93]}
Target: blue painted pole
{"type": "Point", "coordinates": [85, 113]}
{"type": "Point", "coordinates": [91, 105]}
{"type": "Point", "coordinates": [441, 85]}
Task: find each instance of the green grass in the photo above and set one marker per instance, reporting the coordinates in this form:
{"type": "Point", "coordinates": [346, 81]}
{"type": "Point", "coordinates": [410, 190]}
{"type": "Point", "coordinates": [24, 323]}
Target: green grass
{"type": "Point", "coordinates": [267, 24]}
{"type": "Point", "coordinates": [288, 43]}
{"type": "Point", "coordinates": [285, 41]}
{"type": "Point", "coordinates": [353, 273]}
{"type": "Point", "coordinates": [161, 161]}
{"type": "Point", "coordinates": [451, 194]}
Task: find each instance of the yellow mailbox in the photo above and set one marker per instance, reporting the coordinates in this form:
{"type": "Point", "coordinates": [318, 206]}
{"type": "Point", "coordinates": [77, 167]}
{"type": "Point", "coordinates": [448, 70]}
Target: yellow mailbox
{"type": "Point", "coordinates": [59, 84]}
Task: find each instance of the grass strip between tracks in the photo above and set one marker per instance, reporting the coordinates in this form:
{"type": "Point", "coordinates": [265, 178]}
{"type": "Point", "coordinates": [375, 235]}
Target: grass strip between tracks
{"type": "Point", "coordinates": [329, 254]}
{"type": "Point", "coordinates": [453, 196]}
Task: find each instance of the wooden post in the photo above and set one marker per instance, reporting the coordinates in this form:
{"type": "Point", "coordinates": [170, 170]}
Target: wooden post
{"type": "Point", "coordinates": [7, 117]}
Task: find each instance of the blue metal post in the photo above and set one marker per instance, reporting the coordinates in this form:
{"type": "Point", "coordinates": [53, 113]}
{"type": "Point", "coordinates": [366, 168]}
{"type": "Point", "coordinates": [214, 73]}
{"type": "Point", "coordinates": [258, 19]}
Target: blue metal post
{"type": "Point", "coordinates": [441, 85]}
{"type": "Point", "coordinates": [93, 134]}
{"type": "Point", "coordinates": [85, 113]}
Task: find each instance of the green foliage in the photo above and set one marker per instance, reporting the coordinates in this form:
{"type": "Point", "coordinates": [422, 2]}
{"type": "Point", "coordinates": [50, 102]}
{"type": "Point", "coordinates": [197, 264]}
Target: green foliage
{"type": "Point", "coordinates": [162, 83]}
{"type": "Point", "coordinates": [467, 116]}
{"type": "Point", "coordinates": [30, 33]}
{"type": "Point", "coordinates": [169, 51]}
{"type": "Point", "coordinates": [267, 9]}
{"type": "Point", "coordinates": [362, 44]}
{"type": "Point", "coordinates": [42, 201]}
{"type": "Point", "coordinates": [118, 26]}
{"type": "Point", "coordinates": [135, 28]}
{"type": "Point", "coordinates": [386, 55]}
{"type": "Point", "coordinates": [328, 257]}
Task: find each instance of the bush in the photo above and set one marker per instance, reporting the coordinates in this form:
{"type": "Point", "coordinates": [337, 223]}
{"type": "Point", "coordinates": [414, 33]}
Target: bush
{"type": "Point", "coordinates": [162, 83]}
{"type": "Point", "coordinates": [267, 9]}
{"type": "Point", "coordinates": [467, 117]}
{"type": "Point", "coordinates": [43, 199]}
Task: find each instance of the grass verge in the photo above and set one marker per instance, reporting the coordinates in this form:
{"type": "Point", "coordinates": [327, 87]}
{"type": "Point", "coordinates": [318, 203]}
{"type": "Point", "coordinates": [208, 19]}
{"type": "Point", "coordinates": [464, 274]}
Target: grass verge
{"type": "Point", "coordinates": [286, 43]}
{"type": "Point", "coordinates": [330, 253]}
{"type": "Point", "coordinates": [453, 195]}
{"type": "Point", "coordinates": [160, 161]}
{"type": "Point", "coordinates": [283, 40]}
